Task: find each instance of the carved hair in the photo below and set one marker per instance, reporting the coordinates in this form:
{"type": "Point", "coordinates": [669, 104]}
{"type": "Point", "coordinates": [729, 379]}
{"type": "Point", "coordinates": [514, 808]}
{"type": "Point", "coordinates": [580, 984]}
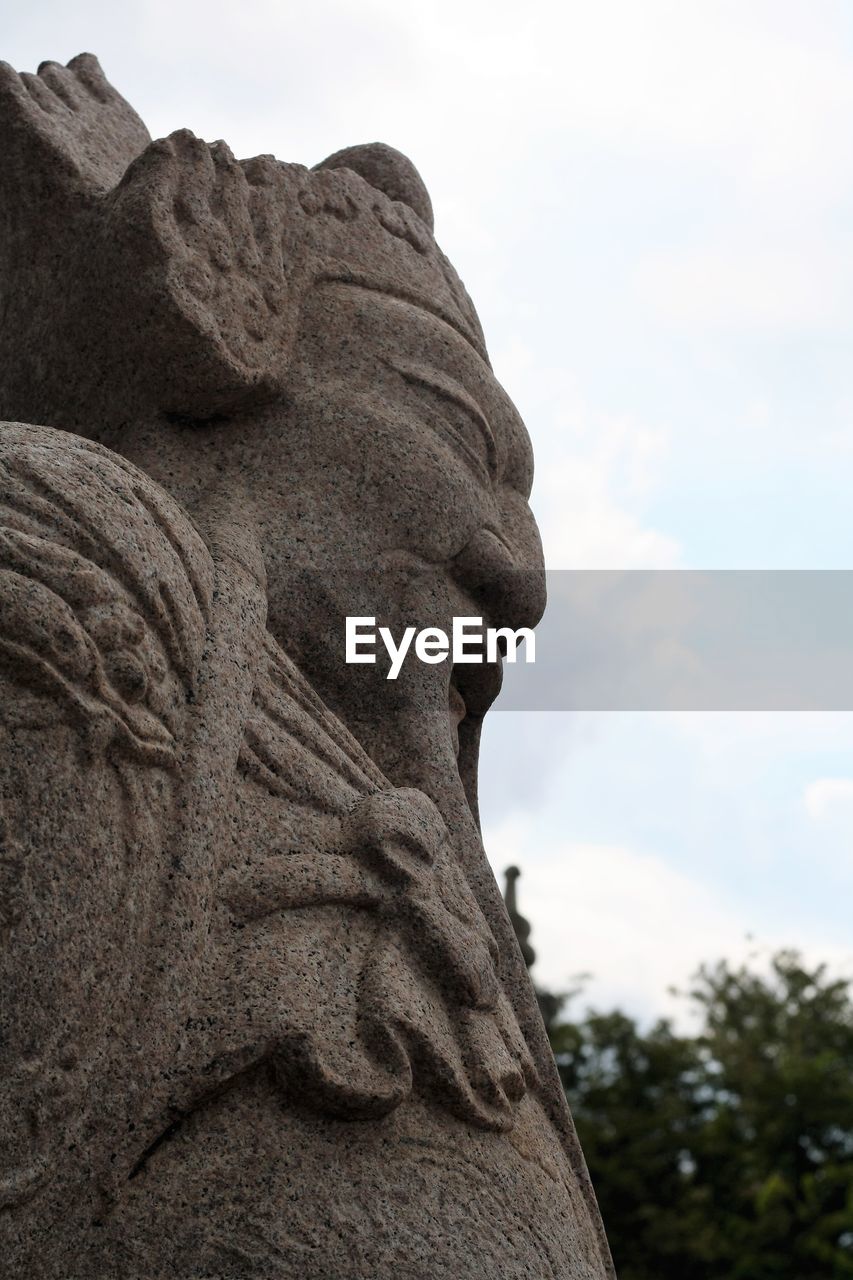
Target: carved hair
{"type": "Point", "coordinates": [141, 277]}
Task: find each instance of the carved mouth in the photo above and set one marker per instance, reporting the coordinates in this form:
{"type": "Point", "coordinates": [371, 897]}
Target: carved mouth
{"type": "Point", "coordinates": [473, 687]}
{"type": "Point", "coordinates": [477, 686]}
{"type": "Point", "coordinates": [471, 692]}
{"type": "Point", "coordinates": [457, 710]}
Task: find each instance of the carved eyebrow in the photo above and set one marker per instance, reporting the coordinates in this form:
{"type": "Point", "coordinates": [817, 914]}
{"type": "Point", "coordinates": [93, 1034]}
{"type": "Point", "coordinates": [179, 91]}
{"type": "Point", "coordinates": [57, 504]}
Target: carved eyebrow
{"type": "Point", "coordinates": [442, 385]}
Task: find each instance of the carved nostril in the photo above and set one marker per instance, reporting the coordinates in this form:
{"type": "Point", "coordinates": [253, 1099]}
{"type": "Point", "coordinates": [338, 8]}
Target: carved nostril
{"type": "Point", "coordinates": [509, 591]}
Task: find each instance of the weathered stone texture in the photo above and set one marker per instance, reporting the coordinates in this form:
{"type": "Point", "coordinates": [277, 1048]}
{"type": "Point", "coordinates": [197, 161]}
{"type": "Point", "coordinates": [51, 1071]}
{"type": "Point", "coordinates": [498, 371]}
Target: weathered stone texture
{"type": "Point", "coordinates": [263, 1013]}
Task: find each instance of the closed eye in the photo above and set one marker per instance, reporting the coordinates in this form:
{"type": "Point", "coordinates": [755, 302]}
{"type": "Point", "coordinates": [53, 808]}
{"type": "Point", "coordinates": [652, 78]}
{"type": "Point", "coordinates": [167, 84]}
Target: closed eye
{"type": "Point", "coordinates": [461, 418]}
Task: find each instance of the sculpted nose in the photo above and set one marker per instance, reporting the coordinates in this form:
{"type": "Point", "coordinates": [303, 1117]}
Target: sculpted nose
{"type": "Point", "coordinates": [501, 567]}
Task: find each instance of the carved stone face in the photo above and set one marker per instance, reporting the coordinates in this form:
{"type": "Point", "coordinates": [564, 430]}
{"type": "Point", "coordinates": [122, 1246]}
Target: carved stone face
{"type": "Point", "coordinates": [229, 928]}
{"type": "Point", "coordinates": [395, 485]}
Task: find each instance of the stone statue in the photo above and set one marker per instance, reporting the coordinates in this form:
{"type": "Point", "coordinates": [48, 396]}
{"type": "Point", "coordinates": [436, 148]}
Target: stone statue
{"type": "Point", "coordinates": [263, 1014]}
{"type": "Point", "coordinates": [520, 924]}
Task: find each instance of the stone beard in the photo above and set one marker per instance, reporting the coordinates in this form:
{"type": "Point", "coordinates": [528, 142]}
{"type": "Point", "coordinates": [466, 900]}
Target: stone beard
{"type": "Point", "coordinates": [263, 1013]}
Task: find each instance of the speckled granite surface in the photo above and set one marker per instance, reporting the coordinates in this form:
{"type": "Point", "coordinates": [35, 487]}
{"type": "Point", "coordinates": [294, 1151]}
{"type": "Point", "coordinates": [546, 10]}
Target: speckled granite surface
{"type": "Point", "coordinates": [263, 1014]}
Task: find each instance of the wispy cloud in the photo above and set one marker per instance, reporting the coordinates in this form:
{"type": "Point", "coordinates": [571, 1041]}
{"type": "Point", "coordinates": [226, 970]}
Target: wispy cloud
{"type": "Point", "coordinates": [638, 926]}
{"type": "Point", "coordinates": [827, 797]}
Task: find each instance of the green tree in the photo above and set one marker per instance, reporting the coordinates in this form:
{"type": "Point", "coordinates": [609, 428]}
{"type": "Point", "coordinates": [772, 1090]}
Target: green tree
{"type": "Point", "coordinates": [727, 1154]}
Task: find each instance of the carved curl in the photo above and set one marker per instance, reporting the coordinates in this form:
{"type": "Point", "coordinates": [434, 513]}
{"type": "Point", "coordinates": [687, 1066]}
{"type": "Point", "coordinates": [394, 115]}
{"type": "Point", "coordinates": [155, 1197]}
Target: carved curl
{"type": "Point", "coordinates": [86, 625]}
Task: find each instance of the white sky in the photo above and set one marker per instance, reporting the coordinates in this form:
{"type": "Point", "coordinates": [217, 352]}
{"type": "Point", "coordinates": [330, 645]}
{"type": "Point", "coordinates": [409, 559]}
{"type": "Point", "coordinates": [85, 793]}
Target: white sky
{"type": "Point", "coordinates": [651, 204]}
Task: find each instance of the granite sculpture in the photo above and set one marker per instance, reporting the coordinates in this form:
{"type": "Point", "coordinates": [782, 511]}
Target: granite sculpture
{"type": "Point", "coordinates": [263, 1013]}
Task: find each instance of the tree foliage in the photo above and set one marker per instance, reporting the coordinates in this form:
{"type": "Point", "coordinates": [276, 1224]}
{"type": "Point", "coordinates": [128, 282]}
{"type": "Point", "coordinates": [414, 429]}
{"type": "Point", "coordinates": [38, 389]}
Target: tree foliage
{"type": "Point", "coordinates": [726, 1154]}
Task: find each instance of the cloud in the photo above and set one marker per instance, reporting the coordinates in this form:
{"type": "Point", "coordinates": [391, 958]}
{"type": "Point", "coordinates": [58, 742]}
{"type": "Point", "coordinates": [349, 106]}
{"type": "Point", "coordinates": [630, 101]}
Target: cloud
{"type": "Point", "coordinates": [635, 923]}
{"type": "Point", "coordinates": [595, 471]}
{"type": "Point", "coordinates": [623, 915]}
{"type": "Point", "coordinates": [586, 525]}
{"type": "Point", "coordinates": [828, 802]}
{"type": "Point", "coordinates": [829, 797]}
{"type": "Point", "coordinates": [748, 285]}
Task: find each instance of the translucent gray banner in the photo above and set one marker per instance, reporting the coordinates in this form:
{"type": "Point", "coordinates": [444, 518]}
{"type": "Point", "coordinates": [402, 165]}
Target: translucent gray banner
{"type": "Point", "coordinates": [689, 641]}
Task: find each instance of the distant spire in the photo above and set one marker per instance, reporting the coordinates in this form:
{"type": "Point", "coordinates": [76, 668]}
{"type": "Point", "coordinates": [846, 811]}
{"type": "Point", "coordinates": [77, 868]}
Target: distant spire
{"type": "Point", "coordinates": [520, 925]}
{"type": "Point", "coordinates": [549, 1004]}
